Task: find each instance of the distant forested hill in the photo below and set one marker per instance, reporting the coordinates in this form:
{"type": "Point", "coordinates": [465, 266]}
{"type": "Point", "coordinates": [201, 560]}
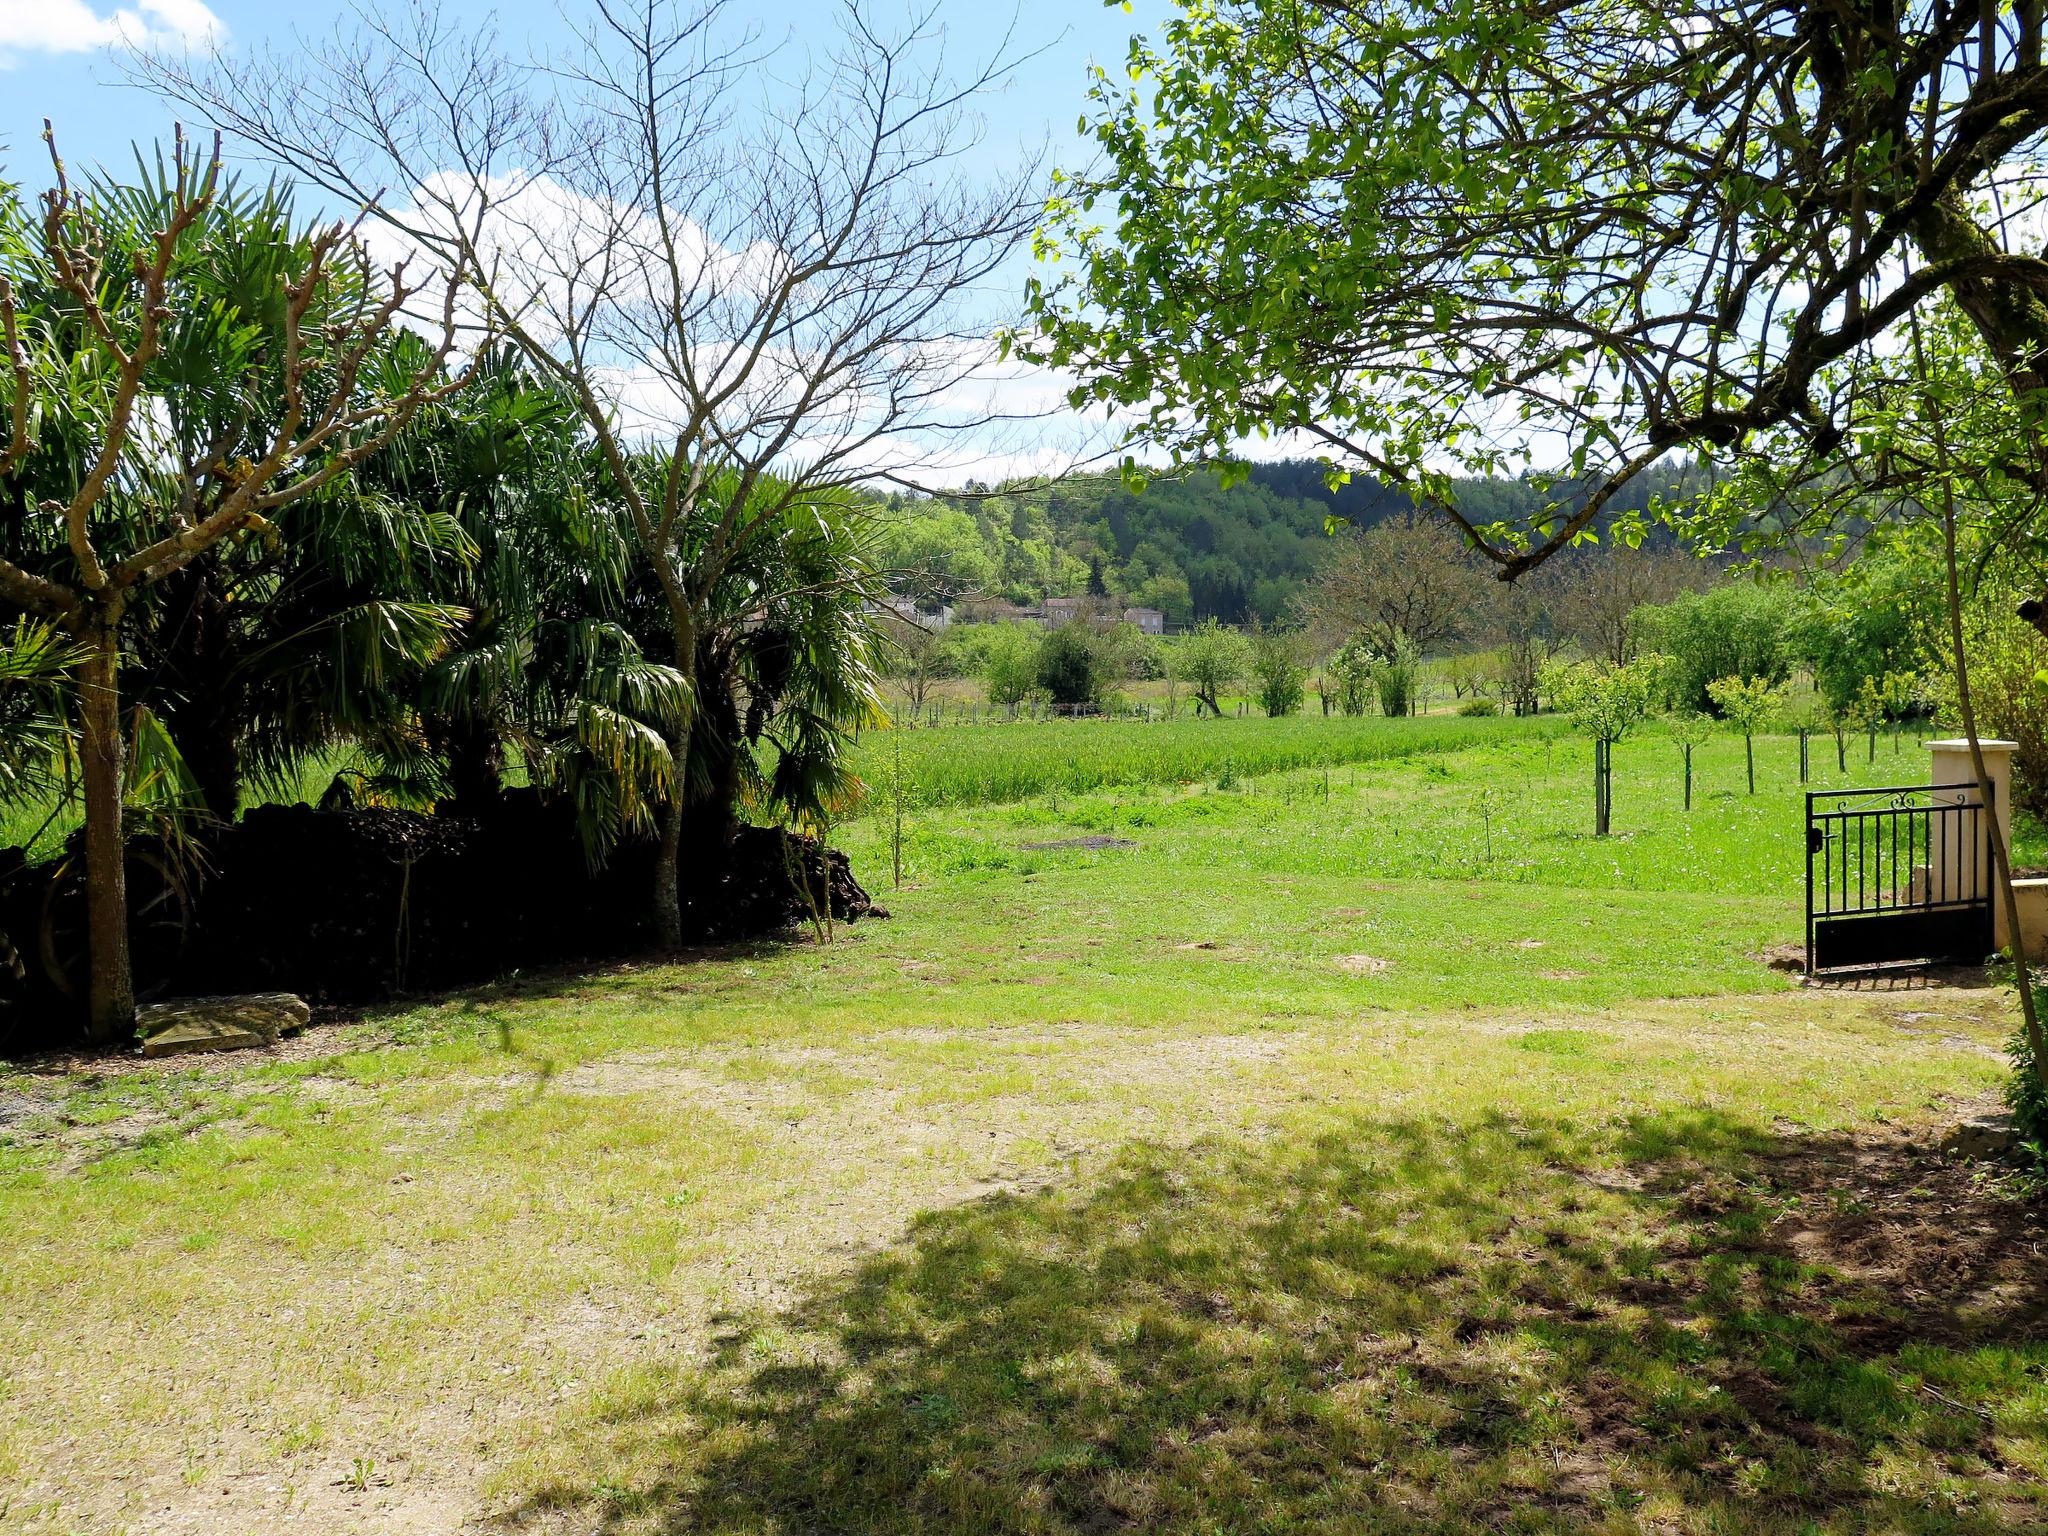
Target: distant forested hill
{"type": "Point", "coordinates": [1185, 545]}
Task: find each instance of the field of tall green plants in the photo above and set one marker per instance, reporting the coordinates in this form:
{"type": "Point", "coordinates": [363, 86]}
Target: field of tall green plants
{"type": "Point", "coordinates": [987, 764]}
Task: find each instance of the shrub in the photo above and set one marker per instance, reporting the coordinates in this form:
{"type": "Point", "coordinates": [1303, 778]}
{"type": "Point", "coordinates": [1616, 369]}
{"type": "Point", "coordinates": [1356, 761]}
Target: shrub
{"type": "Point", "coordinates": [1351, 672]}
{"type": "Point", "coordinates": [1473, 708]}
{"type": "Point", "coordinates": [1393, 676]}
{"type": "Point", "coordinates": [1282, 680]}
{"type": "Point", "coordinates": [1009, 662]}
{"type": "Point", "coordinates": [1069, 668]}
{"type": "Point", "coordinates": [1738, 630]}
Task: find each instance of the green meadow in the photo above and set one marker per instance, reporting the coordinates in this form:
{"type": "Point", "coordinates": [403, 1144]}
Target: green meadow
{"type": "Point", "coordinates": [1353, 1142]}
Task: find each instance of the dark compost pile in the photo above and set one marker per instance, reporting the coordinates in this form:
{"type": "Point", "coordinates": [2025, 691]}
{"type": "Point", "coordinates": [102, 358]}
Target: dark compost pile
{"type": "Point", "coordinates": [349, 906]}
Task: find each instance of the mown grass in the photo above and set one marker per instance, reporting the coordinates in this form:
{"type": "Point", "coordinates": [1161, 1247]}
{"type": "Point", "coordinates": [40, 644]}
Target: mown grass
{"type": "Point", "coordinates": [1096, 1189]}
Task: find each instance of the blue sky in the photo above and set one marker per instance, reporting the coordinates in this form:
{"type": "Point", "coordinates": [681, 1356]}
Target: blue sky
{"type": "Point", "coordinates": [55, 60]}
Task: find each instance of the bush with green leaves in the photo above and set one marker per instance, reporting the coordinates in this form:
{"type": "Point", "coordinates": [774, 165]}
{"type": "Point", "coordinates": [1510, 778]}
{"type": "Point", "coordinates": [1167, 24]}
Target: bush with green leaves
{"type": "Point", "coordinates": [1395, 670]}
{"type": "Point", "coordinates": [1477, 708]}
{"type": "Point", "coordinates": [1350, 671]}
{"type": "Point", "coordinates": [1069, 667]}
{"type": "Point", "coordinates": [1276, 668]}
{"type": "Point", "coordinates": [1737, 630]}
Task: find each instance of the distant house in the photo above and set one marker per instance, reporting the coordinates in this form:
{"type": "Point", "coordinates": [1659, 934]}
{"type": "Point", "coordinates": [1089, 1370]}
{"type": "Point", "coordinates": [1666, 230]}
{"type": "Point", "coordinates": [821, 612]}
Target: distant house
{"type": "Point", "coordinates": [907, 609]}
{"type": "Point", "coordinates": [1149, 621]}
{"type": "Point", "coordinates": [1062, 611]}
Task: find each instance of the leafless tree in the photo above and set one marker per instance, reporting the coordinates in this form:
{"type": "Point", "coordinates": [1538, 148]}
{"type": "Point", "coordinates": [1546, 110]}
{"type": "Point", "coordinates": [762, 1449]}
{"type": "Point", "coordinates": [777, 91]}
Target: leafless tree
{"type": "Point", "coordinates": [1403, 579]}
{"type": "Point", "coordinates": [920, 658]}
{"type": "Point", "coordinates": [758, 298]}
{"type": "Point", "coordinates": [1523, 624]}
{"type": "Point", "coordinates": [1606, 583]}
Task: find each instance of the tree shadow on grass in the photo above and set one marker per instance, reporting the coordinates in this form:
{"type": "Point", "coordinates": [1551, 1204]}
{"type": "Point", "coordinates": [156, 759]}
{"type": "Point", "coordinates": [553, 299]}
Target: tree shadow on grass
{"type": "Point", "coordinates": [1681, 1325]}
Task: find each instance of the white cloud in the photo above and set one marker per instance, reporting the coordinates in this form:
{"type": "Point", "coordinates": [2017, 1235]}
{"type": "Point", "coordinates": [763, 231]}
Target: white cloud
{"type": "Point", "coordinates": [73, 26]}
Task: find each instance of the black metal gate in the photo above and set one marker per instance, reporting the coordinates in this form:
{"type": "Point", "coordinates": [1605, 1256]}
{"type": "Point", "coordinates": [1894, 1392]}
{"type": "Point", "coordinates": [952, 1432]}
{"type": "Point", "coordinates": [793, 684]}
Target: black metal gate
{"type": "Point", "coordinates": [1897, 876]}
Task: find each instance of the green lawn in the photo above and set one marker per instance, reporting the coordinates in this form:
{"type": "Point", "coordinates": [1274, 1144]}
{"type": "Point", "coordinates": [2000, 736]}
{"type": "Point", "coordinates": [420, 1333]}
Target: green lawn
{"type": "Point", "coordinates": [1364, 1149]}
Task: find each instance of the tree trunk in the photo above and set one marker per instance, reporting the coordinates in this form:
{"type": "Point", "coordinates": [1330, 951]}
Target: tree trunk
{"type": "Point", "coordinates": [194, 675]}
{"type": "Point", "coordinates": [668, 886]}
{"type": "Point", "coordinates": [476, 766]}
{"type": "Point", "coordinates": [1601, 807]}
{"type": "Point", "coordinates": [668, 896]}
{"type": "Point", "coordinates": [110, 985]}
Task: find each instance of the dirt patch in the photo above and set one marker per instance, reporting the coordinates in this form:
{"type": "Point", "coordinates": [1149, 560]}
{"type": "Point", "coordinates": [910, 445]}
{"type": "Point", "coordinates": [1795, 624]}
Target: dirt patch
{"type": "Point", "coordinates": [1095, 842]}
{"type": "Point", "coordinates": [1932, 978]}
{"type": "Point", "coordinates": [1946, 1254]}
{"type": "Point", "coordinates": [1363, 965]}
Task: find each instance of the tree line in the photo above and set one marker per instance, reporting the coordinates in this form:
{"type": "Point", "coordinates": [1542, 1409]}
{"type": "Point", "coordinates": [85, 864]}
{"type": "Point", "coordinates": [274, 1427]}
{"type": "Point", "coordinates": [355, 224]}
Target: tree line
{"type": "Point", "coordinates": [1192, 545]}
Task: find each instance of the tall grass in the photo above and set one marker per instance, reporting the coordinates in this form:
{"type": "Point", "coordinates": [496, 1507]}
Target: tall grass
{"type": "Point", "coordinates": [986, 764]}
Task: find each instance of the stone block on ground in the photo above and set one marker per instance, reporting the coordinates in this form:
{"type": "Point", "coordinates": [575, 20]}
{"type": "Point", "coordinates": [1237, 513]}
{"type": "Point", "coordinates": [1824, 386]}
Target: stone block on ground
{"type": "Point", "coordinates": [238, 1023]}
{"type": "Point", "coordinates": [1985, 1136]}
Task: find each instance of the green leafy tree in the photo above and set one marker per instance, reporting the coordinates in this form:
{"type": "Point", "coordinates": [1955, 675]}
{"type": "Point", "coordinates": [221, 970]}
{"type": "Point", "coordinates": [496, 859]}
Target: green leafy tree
{"type": "Point", "coordinates": [1068, 667]}
{"type": "Point", "coordinates": [1739, 629]}
{"type": "Point", "coordinates": [1647, 226]}
{"type": "Point", "coordinates": [1211, 659]}
{"type": "Point", "coordinates": [1748, 705]}
{"type": "Point", "coordinates": [1096, 586]}
{"type": "Point", "coordinates": [769, 380]}
{"type": "Point", "coordinates": [1877, 615]}
{"type": "Point", "coordinates": [1690, 730]}
{"type": "Point", "coordinates": [1009, 663]}
{"type": "Point", "coordinates": [1607, 703]}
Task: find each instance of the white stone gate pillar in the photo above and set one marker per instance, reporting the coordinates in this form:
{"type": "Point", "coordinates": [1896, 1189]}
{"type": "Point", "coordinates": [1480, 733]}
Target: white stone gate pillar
{"type": "Point", "coordinates": [1968, 869]}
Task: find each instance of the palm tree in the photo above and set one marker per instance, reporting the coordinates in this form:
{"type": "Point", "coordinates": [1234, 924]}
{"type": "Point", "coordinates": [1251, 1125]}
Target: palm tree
{"type": "Point", "coordinates": [182, 364]}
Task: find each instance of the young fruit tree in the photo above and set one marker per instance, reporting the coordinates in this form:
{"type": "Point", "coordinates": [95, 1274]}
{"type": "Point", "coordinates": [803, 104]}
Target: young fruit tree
{"type": "Point", "coordinates": [1606, 703]}
{"type": "Point", "coordinates": [157, 412]}
{"type": "Point", "coordinates": [1749, 705]}
{"type": "Point", "coordinates": [1690, 730]}
{"type": "Point", "coordinates": [755, 306]}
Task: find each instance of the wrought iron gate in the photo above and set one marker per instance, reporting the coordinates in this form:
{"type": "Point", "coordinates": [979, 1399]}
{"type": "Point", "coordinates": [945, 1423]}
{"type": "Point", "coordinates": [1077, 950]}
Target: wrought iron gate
{"type": "Point", "coordinates": [1897, 876]}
